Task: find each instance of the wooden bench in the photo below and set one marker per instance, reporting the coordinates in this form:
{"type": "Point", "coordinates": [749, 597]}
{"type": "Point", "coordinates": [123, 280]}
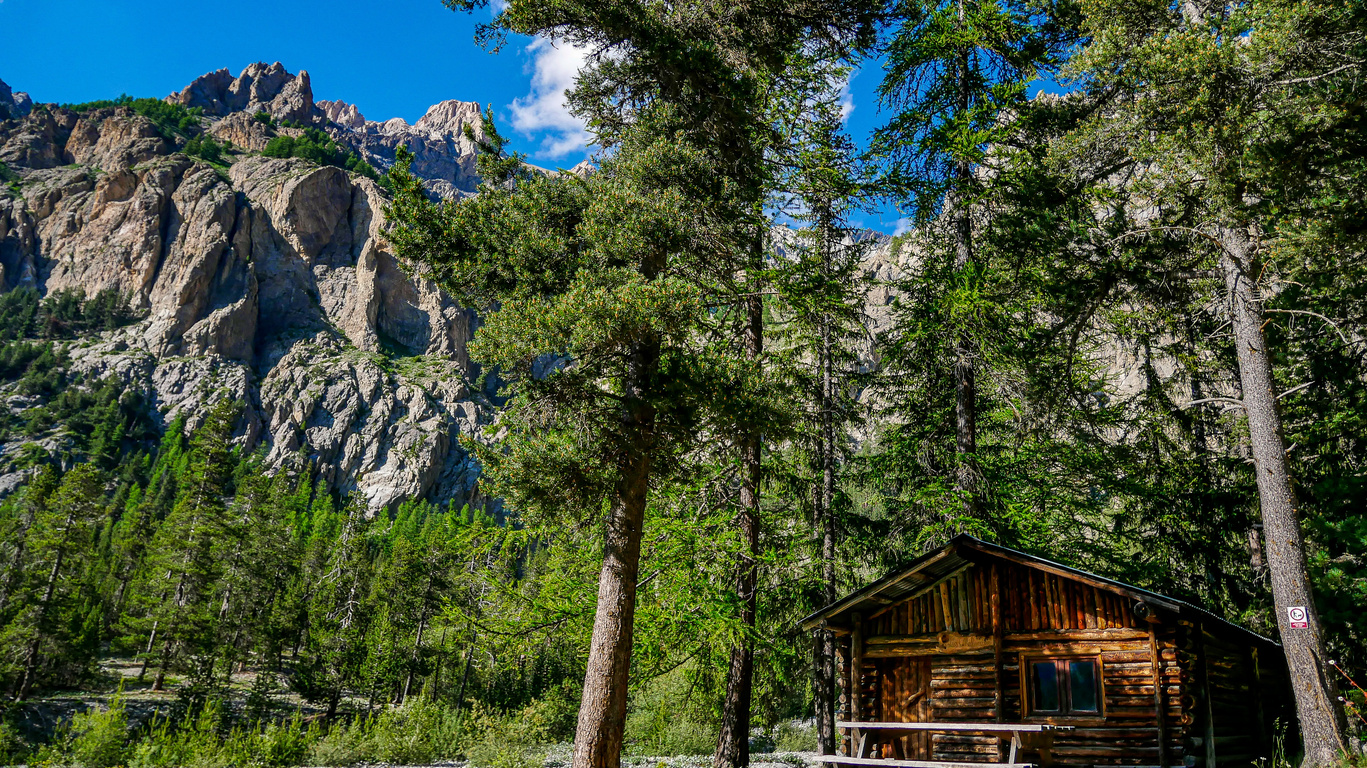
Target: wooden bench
{"type": "Point", "coordinates": [860, 732]}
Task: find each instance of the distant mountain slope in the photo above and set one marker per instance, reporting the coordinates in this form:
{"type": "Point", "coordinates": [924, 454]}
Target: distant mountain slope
{"type": "Point", "coordinates": [261, 279]}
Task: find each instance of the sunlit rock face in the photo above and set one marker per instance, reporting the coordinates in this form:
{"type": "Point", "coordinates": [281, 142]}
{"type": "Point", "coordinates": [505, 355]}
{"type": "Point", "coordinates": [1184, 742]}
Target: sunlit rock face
{"type": "Point", "coordinates": [269, 282]}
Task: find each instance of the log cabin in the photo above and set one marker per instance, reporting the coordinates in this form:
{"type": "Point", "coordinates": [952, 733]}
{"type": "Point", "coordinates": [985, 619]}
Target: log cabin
{"type": "Point", "coordinates": [979, 654]}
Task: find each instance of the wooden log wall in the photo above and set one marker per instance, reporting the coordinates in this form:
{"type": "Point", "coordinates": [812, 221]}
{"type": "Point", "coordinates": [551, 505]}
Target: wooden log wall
{"type": "Point", "coordinates": [1031, 600]}
{"type": "Point", "coordinates": [1243, 693]}
{"type": "Point", "coordinates": [942, 637]}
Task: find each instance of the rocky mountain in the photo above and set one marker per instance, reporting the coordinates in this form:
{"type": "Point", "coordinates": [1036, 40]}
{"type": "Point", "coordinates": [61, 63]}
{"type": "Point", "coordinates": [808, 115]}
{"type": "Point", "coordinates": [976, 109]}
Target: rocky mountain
{"type": "Point", "coordinates": [261, 279]}
{"type": "Point", "coordinates": [442, 155]}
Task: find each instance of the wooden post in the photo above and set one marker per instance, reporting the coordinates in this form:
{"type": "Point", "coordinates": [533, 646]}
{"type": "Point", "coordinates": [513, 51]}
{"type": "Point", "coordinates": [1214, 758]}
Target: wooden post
{"type": "Point", "coordinates": [857, 682]}
{"type": "Point", "coordinates": [1260, 725]}
{"type": "Point", "coordinates": [995, 599]}
{"type": "Point", "coordinates": [1156, 657]}
{"type": "Point", "coordinates": [1205, 694]}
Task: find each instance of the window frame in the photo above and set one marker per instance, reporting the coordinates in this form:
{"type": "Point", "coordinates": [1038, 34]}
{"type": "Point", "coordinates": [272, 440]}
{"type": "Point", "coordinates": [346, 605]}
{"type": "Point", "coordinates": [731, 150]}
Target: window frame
{"type": "Point", "coordinates": [1027, 660]}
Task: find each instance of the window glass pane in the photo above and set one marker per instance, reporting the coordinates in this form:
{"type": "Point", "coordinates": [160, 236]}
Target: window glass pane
{"type": "Point", "coordinates": [1045, 682]}
{"type": "Point", "coordinates": [1082, 685]}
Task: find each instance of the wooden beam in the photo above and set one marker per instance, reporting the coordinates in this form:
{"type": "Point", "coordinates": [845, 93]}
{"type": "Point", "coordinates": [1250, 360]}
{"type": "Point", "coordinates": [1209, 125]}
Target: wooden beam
{"type": "Point", "coordinates": [1079, 634]}
{"type": "Point", "coordinates": [857, 668]}
{"type": "Point", "coordinates": [855, 599]}
{"type": "Point", "coordinates": [946, 643]}
{"type": "Point", "coordinates": [840, 760]}
{"type": "Point", "coordinates": [1203, 660]}
{"type": "Point", "coordinates": [946, 727]}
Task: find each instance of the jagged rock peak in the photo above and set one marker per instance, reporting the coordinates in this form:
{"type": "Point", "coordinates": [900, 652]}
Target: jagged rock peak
{"type": "Point", "coordinates": [260, 87]}
{"type": "Point", "coordinates": [13, 103]}
{"type": "Point", "coordinates": [342, 113]}
{"type": "Point", "coordinates": [449, 118]}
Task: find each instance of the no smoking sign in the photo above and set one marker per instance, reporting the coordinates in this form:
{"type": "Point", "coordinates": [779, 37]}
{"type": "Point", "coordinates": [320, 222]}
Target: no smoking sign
{"type": "Point", "coordinates": [1300, 619]}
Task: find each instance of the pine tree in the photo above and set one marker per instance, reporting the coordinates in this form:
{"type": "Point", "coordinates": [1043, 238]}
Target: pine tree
{"type": "Point", "coordinates": [60, 556]}
{"type": "Point", "coordinates": [181, 579]}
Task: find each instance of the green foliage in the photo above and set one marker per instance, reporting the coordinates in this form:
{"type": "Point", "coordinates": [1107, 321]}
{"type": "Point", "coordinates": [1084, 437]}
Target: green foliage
{"type": "Point", "coordinates": [264, 118]}
{"type": "Point", "coordinates": [171, 120]}
{"type": "Point", "coordinates": [318, 147]}
{"type": "Point", "coordinates": [10, 179]}
{"type": "Point", "coordinates": [205, 148]}
{"type": "Point", "coordinates": [669, 718]}
{"type": "Point", "coordinates": [95, 738]}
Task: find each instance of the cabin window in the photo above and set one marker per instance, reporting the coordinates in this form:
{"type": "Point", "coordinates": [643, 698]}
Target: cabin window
{"type": "Point", "coordinates": [1064, 686]}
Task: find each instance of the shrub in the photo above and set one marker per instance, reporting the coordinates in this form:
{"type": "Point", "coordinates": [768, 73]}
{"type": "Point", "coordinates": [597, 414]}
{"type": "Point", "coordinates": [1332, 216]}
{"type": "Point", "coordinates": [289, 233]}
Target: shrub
{"type": "Point", "coordinates": [265, 118]}
{"type": "Point", "coordinates": [10, 178]}
{"type": "Point", "coordinates": [512, 740]}
{"type": "Point", "coordinates": [204, 148]}
{"type": "Point", "coordinates": [792, 736]}
{"type": "Point", "coordinates": [95, 738]}
{"type": "Point", "coordinates": [318, 147]}
{"type": "Point", "coordinates": [666, 720]}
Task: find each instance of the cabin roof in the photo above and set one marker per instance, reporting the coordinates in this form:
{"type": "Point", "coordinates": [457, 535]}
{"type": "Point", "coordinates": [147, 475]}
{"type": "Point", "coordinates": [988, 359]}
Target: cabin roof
{"type": "Point", "coordinates": [964, 550]}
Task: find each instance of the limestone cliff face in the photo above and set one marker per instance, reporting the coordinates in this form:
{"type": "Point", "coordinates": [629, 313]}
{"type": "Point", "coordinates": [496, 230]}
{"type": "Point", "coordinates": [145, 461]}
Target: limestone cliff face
{"type": "Point", "coordinates": [269, 283]}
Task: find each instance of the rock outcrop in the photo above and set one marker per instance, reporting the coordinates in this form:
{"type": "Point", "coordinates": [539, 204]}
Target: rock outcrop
{"type": "Point", "coordinates": [259, 88]}
{"type": "Point", "coordinates": [13, 103]}
{"type": "Point", "coordinates": [442, 156]}
{"type": "Point", "coordinates": [269, 283]}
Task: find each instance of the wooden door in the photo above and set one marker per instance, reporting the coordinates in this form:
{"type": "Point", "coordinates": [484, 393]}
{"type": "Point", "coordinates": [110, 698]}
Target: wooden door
{"type": "Point", "coordinates": [906, 699]}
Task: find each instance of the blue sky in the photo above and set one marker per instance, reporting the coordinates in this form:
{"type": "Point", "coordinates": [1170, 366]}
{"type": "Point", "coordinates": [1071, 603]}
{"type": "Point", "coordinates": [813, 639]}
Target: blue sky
{"type": "Point", "coordinates": [390, 59]}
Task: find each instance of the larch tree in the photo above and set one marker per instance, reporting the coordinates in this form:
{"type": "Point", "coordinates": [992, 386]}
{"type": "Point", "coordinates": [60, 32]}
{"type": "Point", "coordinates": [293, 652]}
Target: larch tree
{"type": "Point", "coordinates": [61, 552]}
{"type": "Point", "coordinates": [623, 262]}
{"type": "Point", "coordinates": [956, 70]}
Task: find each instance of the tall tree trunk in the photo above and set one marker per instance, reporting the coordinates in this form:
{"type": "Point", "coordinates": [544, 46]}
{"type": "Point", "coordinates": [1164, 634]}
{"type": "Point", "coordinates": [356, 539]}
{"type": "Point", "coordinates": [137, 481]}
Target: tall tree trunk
{"type": "Point", "coordinates": [465, 676]}
{"type": "Point", "coordinates": [823, 642]}
{"type": "Point", "coordinates": [147, 652]}
{"type": "Point", "coordinates": [733, 742]}
{"type": "Point", "coordinates": [966, 481]}
{"type": "Point", "coordinates": [603, 710]}
{"type": "Point", "coordinates": [1321, 720]}
{"type": "Point", "coordinates": [413, 660]}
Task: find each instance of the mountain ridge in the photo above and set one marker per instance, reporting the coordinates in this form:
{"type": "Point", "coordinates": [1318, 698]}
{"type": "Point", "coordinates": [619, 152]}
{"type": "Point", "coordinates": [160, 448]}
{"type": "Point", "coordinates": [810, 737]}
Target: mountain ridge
{"type": "Point", "coordinates": [261, 279]}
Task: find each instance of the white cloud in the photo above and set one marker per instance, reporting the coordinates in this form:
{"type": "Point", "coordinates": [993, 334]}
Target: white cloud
{"type": "Point", "coordinates": [846, 99]}
{"type": "Point", "coordinates": [543, 110]}
{"type": "Point", "coordinates": [902, 227]}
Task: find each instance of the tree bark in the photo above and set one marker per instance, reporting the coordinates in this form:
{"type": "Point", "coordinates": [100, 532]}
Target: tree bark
{"type": "Point", "coordinates": [1321, 720]}
{"type": "Point", "coordinates": [965, 374]}
{"type": "Point", "coordinates": [733, 742]}
{"type": "Point", "coordinates": [465, 676]}
{"type": "Point", "coordinates": [602, 712]}
{"type": "Point", "coordinates": [823, 649]}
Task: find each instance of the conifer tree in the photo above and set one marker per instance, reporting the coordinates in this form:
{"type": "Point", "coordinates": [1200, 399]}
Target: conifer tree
{"type": "Point", "coordinates": [182, 579]}
{"type": "Point", "coordinates": [819, 286]}
{"type": "Point", "coordinates": [956, 70]}
{"type": "Point", "coordinates": [60, 559]}
{"type": "Point", "coordinates": [1230, 77]}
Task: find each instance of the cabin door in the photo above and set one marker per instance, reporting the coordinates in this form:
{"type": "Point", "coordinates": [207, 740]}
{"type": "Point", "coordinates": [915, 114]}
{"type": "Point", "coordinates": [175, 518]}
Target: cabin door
{"type": "Point", "coordinates": [906, 699]}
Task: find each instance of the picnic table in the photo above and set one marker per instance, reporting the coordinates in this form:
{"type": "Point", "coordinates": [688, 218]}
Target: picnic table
{"type": "Point", "coordinates": [859, 732]}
